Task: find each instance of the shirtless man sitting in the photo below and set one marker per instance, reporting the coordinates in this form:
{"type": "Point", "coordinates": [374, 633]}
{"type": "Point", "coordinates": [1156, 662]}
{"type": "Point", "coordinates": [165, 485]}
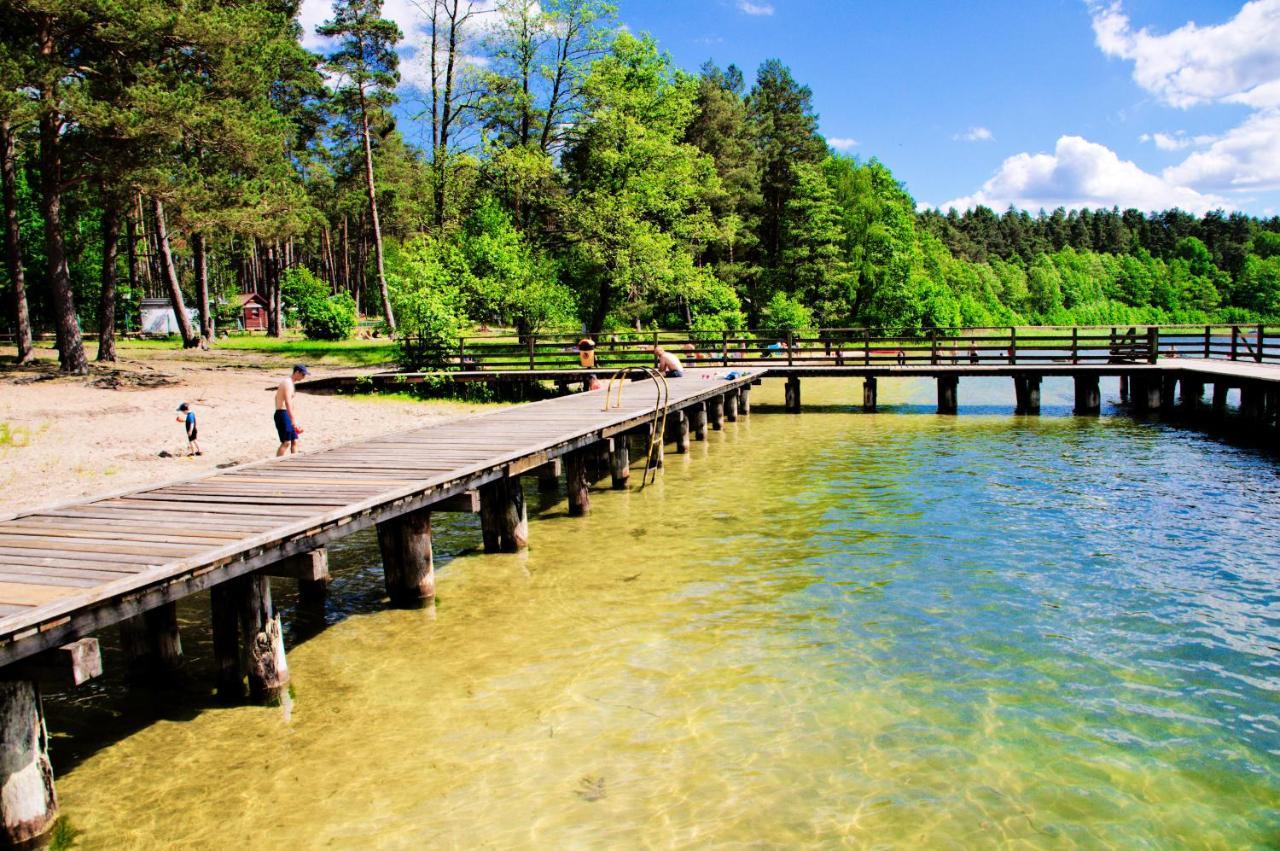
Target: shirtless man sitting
{"type": "Point", "coordinates": [668, 364]}
{"type": "Point", "coordinates": [286, 426]}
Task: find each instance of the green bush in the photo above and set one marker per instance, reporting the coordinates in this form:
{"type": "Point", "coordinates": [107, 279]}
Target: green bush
{"type": "Point", "coordinates": [332, 318]}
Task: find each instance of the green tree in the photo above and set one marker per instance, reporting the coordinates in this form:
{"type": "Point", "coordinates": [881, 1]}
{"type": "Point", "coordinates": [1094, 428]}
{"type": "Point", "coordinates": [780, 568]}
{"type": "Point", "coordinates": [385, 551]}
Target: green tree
{"type": "Point", "coordinates": [367, 65]}
{"type": "Point", "coordinates": [813, 261]}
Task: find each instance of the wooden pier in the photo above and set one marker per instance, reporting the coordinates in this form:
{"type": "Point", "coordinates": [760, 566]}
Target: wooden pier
{"type": "Point", "coordinates": [69, 571]}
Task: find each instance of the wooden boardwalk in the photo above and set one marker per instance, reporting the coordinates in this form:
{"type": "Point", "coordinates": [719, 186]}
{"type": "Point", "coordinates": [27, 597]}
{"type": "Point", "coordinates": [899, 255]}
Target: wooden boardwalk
{"type": "Point", "coordinates": [69, 570]}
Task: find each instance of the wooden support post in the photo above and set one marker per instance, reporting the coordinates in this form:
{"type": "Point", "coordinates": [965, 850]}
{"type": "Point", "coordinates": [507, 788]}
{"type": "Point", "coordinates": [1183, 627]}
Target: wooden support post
{"type": "Point", "coordinates": [71, 664]}
{"type": "Point", "coordinates": [659, 457]}
{"type": "Point", "coordinates": [226, 642]}
{"type": "Point", "coordinates": [679, 425]}
{"type": "Point", "coordinates": [792, 395]}
{"type": "Point", "coordinates": [1124, 388]}
{"type": "Point", "coordinates": [600, 467]}
{"type": "Point", "coordinates": [263, 645]}
{"type": "Point", "coordinates": [408, 567]}
{"type": "Point", "coordinates": [947, 394]}
{"type": "Point", "coordinates": [152, 643]}
{"type": "Point", "coordinates": [869, 394]}
{"type": "Point", "coordinates": [28, 802]}
{"type": "Point", "coordinates": [1031, 394]}
{"type": "Point", "coordinates": [313, 575]}
{"type": "Point", "coordinates": [1088, 396]}
{"type": "Point", "coordinates": [504, 521]}
{"type": "Point", "coordinates": [1250, 402]}
{"type": "Point", "coordinates": [1168, 392]}
{"type": "Point", "coordinates": [1145, 393]}
{"type": "Point", "coordinates": [549, 478]}
{"type": "Point", "coordinates": [575, 476]}
{"type": "Point", "coordinates": [1191, 395]}
{"type": "Point", "coordinates": [1220, 391]}
{"type": "Point", "coordinates": [744, 400]}
{"type": "Point", "coordinates": [715, 412]}
{"type": "Point", "coordinates": [619, 462]}
{"type": "Point", "coordinates": [698, 421]}
{"type": "Point", "coordinates": [731, 406]}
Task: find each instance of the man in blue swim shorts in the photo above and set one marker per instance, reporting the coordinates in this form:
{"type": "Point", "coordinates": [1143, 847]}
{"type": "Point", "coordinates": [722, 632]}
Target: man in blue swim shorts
{"type": "Point", "coordinates": [287, 427]}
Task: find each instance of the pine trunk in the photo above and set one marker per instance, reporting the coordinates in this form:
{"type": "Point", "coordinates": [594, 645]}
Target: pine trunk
{"type": "Point", "coordinates": [387, 316]}
{"type": "Point", "coordinates": [13, 242]}
{"type": "Point", "coordinates": [71, 357]}
{"type": "Point", "coordinates": [107, 303]}
{"type": "Point", "coordinates": [271, 278]}
{"type": "Point", "coordinates": [200, 257]}
{"type": "Point", "coordinates": [189, 338]}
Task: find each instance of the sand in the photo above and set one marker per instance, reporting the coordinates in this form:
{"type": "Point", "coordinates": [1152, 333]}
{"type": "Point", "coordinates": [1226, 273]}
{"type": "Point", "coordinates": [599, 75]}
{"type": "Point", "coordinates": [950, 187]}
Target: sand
{"type": "Point", "coordinates": [71, 437]}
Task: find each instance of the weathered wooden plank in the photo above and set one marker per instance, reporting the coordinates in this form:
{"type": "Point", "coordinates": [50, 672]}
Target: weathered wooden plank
{"type": "Point", "coordinates": [28, 594]}
{"type": "Point", "coordinates": [79, 555]}
{"type": "Point", "coordinates": [97, 545]}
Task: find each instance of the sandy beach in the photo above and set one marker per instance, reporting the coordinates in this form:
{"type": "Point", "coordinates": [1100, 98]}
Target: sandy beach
{"type": "Point", "coordinates": [67, 437]}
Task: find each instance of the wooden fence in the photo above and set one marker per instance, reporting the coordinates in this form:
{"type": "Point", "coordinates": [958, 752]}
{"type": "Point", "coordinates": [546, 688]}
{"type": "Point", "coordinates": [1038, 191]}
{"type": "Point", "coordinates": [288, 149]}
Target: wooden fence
{"type": "Point", "coordinates": [865, 347]}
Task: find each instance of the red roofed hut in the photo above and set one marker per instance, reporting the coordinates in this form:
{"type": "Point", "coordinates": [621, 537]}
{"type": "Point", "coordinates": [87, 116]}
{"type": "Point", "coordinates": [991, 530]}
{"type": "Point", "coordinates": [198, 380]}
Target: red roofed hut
{"type": "Point", "coordinates": [253, 311]}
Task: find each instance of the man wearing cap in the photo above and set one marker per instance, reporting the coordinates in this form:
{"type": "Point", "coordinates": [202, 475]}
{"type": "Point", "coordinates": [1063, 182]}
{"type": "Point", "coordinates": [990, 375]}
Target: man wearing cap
{"type": "Point", "coordinates": [286, 426]}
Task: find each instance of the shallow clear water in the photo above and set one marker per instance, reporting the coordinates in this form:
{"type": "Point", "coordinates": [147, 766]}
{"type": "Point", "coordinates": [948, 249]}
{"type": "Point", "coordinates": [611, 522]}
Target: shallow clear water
{"type": "Point", "coordinates": [833, 628]}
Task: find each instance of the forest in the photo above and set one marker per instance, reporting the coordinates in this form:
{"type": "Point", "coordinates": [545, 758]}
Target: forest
{"type": "Point", "coordinates": [547, 169]}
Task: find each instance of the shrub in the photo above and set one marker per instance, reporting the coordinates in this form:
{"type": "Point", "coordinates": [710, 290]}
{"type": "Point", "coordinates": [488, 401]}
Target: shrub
{"type": "Point", "coordinates": [332, 318]}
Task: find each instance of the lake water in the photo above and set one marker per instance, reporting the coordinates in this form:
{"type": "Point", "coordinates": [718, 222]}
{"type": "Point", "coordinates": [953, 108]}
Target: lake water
{"type": "Point", "coordinates": [827, 629]}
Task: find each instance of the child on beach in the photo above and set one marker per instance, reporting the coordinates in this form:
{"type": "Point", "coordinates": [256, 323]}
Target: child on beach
{"type": "Point", "coordinates": [189, 423]}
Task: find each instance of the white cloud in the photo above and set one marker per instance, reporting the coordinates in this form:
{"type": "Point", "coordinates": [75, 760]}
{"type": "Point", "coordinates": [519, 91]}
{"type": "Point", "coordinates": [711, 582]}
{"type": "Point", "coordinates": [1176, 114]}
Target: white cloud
{"type": "Point", "coordinates": [1233, 62]}
{"type": "Point", "coordinates": [1177, 141]}
{"type": "Point", "coordinates": [1246, 158]}
{"type": "Point", "coordinates": [975, 134]}
{"type": "Point", "coordinates": [842, 144]}
{"type": "Point", "coordinates": [1080, 173]}
{"type": "Point", "coordinates": [1238, 61]}
{"type": "Point", "coordinates": [755, 8]}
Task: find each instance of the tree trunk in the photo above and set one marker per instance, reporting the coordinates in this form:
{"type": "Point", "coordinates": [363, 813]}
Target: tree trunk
{"type": "Point", "coordinates": [200, 257]}
{"type": "Point", "coordinates": [107, 304]}
{"type": "Point", "coordinates": [13, 242]}
{"type": "Point", "coordinates": [71, 356]}
{"type": "Point", "coordinates": [189, 338]}
{"type": "Point", "coordinates": [373, 214]}
{"type": "Point", "coordinates": [131, 248]}
{"type": "Point", "coordinates": [346, 260]}
{"type": "Point", "coordinates": [271, 279]}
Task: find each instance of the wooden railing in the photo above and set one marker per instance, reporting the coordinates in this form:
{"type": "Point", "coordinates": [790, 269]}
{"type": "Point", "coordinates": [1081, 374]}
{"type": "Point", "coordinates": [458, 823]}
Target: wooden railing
{"type": "Point", "coordinates": [867, 347]}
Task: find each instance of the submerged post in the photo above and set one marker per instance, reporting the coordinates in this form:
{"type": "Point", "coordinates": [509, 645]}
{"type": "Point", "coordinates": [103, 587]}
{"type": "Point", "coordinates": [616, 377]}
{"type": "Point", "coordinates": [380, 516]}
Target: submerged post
{"type": "Point", "coordinates": [504, 522]}
{"type": "Point", "coordinates": [28, 801]}
{"type": "Point", "coordinates": [262, 651]}
{"type": "Point", "coordinates": [1191, 395]}
{"type": "Point", "coordinates": [698, 421]}
{"type": "Point", "coordinates": [619, 462]}
{"type": "Point", "coordinates": [792, 395]}
{"type": "Point", "coordinates": [408, 567]}
{"type": "Point", "coordinates": [225, 620]}
{"type": "Point", "coordinates": [1124, 388]}
{"type": "Point", "coordinates": [869, 394]}
{"type": "Point", "coordinates": [947, 394]}
{"type": "Point", "coordinates": [744, 399]}
{"type": "Point", "coordinates": [678, 424]}
{"type": "Point", "coordinates": [731, 406]}
{"type": "Point", "coordinates": [575, 478]}
{"type": "Point", "coordinates": [715, 412]}
{"type": "Point", "coordinates": [1088, 396]}
{"type": "Point", "coordinates": [1220, 391]}
{"type": "Point", "coordinates": [152, 643]}
{"type": "Point", "coordinates": [1026, 391]}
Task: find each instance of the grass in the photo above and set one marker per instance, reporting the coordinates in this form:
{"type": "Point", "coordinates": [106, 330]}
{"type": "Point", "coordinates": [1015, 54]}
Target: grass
{"type": "Point", "coordinates": [349, 352]}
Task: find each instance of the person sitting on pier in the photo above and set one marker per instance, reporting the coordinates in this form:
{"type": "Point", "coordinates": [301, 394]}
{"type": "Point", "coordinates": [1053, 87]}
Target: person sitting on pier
{"type": "Point", "coordinates": [668, 364]}
{"type": "Point", "coordinates": [287, 427]}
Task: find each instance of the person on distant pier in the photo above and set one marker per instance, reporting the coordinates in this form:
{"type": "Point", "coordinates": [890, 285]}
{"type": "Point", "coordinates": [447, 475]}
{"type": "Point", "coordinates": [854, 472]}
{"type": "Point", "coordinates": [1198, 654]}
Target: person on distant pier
{"type": "Point", "coordinates": [668, 364]}
{"type": "Point", "coordinates": [189, 423]}
{"type": "Point", "coordinates": [287, 426]}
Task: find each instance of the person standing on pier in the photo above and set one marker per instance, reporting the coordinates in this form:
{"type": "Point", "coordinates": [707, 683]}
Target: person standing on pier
{"type": "Point", "coordinates": [668, 364]}
{"type": "Point", "coordinates": [287, 426]}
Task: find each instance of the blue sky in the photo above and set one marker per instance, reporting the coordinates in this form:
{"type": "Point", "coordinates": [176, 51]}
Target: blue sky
{"type": "Point", "coordinates": [1038, 103]}
{"type": "Point", "coordinates": [916, 84]}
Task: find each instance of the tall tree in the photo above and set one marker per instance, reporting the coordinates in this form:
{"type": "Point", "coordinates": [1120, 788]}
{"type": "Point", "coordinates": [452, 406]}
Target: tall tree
{"type": "Point", "coordinates": [786, 132]}
{"type": "Point", "coordinates": [13, 240]}
{"type": "Point", "coordinates": [366, 63]}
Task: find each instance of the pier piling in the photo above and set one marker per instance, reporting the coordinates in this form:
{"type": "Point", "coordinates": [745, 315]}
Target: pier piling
{"type": "Point", "coordinates": [1088, 400]}
{"type": "Point", "coordinates": [715, 412]}
{"type": "Point", "coordinates": [869, 394]}
{"type": "Point", "coordinates": [947, 394]}
{"type": "Point", "coordinates": [792, 395]}
{"type": "Point", "coordinates": [407, 562]}
{"type": "Point", "coordinates": [698, 421]}
{"type": "Point", "coordinates": [28, 802]}
{"type": "Point", "coordinates": [152, 644]}
{"type": "Point", "coordinates": [262, 647]}
{"type": "Point", "coordinates": [619, 462]}
{"type": "Point", "coordinates": [575, 479]}
{"type": "Point", "coordinates": [504, 521]}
